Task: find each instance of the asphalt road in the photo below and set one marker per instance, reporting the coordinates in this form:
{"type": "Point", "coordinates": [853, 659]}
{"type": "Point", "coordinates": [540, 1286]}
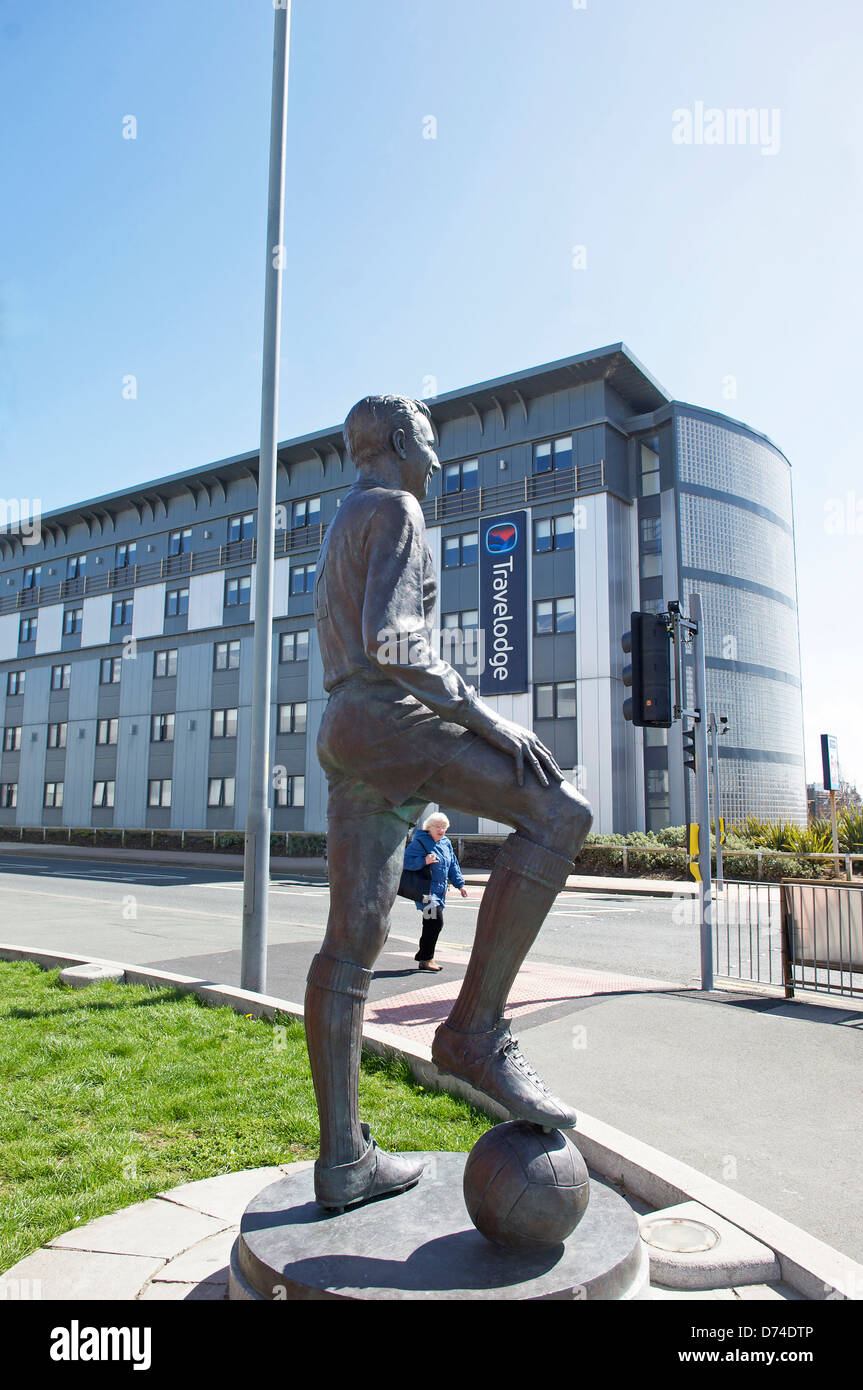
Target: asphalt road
{"type": "Point", "coordinates": [141, 914]}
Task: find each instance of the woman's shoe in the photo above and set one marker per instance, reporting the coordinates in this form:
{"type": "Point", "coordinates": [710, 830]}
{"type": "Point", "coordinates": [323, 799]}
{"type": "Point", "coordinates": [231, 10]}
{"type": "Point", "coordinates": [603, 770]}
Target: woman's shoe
{"type": "Point", "coordinates": [429, 965]}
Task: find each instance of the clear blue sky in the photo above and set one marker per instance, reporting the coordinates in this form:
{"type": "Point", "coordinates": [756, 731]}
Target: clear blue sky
{"type": "Point", "coordinates": [450, 257]}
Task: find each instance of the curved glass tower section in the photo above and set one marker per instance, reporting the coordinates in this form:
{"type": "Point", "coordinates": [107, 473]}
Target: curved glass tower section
{"type": "Point", "coordinates": [736, 548]}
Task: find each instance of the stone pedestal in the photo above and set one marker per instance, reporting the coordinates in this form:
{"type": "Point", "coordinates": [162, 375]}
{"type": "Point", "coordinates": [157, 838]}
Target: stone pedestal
{"type": "Point", "coordinates": [422, 1245]}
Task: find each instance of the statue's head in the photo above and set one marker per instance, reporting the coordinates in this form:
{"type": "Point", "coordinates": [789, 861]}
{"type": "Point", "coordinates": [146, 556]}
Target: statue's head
{"type": "Point", "coordinates": [392, 438]}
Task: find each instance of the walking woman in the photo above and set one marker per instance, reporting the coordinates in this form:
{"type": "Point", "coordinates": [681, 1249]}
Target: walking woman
{"type": "Point", "coordinates": [431, 846]}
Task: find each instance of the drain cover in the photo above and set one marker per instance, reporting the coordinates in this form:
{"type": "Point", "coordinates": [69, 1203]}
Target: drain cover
{"type": "Point", "coordinates": [685, 1236]}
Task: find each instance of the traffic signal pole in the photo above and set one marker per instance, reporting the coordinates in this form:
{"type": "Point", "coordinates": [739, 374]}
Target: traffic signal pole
{"type": "Point", "coordinates": [648, 676]}
{"type": "Point", "coordinates": [702, 792]}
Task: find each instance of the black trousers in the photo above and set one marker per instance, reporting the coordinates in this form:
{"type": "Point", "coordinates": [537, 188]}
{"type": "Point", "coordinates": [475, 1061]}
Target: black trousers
{"type": "Point", "coordinates": [432, 927]}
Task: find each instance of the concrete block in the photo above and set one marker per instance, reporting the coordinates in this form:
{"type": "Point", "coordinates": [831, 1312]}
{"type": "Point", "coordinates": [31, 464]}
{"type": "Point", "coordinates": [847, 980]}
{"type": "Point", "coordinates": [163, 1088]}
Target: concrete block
{"type": "Point", "coordinates": [79, 976]}
{"type": "Point", "coordinates": [691, 1247]}
{"type": "Point", "coordinates": [71, 1275]}
{"type": "Point", "coordinates": [228, 1195]}
{"type": "Point", "coordinates": [154, 1228]}
{"type": "Point", "coordinates": [204, 1263]}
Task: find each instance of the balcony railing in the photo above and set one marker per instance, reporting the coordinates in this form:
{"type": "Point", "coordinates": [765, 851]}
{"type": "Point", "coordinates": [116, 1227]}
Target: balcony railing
{"type": "Point", "coordinates": [521, 492]}
{"type": "Point", "coordinates": [154, 571]}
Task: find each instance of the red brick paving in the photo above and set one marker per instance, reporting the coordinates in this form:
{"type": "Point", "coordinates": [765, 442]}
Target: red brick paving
{"type": "Point", "coordinates": [417, 1012]}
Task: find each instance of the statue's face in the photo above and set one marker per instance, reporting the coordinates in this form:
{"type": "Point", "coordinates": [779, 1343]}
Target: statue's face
{"type": "Point", "coordinates": [417, 455]}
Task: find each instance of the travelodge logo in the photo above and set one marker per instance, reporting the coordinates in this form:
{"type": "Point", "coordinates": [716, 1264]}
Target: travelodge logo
{"type": "Point", "coordinates": [501, 538]}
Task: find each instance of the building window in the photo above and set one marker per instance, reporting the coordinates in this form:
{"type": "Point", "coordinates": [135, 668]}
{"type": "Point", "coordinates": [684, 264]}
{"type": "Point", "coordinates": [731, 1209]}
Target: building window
{"type": "Point", "coordinates": [224, 723]}
{"type": "Point", "coordinates": [554, 615]}
{"type": "Point", "coordinates": [53, 794]}
{"type": "Point", "coordinates": [238, 591]}
{"type": "Point", "coordinates": [106, 730]}
{"type": "Point", "coordinates": [76, 566]}
{"type": "Point", "coordinates": [292, 718]}
{"type": "Point", "coordinates": [294, 646]}
{"type": "Point", "coordinates": [73, 621]}
{"type": "Point", "coordinates": [652, 605]}
{"type": "Point", "coordinates": [159, 792]}
{"type": "Point", "coordinates": [307, 512]}
{"type": "Point", "coordinates": [459, 551]}
{"type": "Point", "coordinates": [176, 603]}
{"type": "Point", "coordinates": [61, 677]}
{"type": "Point", "coordinates": [651, 531]}
{"type": "Point", "coordinates": [650, 565]}
{"type": "Point", "coordinates": [103, 793]}
{"type": "Point", "coordinates": [648, 470]}
{"type": "Point", "coordinates": [32, 577]}
{"type": "Point", "coordinates": [8, 796]}
{"type": "Point", "coordinates": [221, 791]}
{"type": "Point", "coordinates": [109, 670]}
{"type": "Point", "coordinates": [553, 454]}
{"type": "Point", "coordinates": [241, 528]}
{"type": "Point", "coordinates": [27, 630]}
{"type": "Point", "coordinates": [554, 533]}
{"type": "Point", "coordinates": [165, 663]}
{"type": "Point", "coordinates": [57, 735]}
{"type": "Point", "coordinates": [290, 791]}
{"type": "Point", "coordinates": [162, 730]}
{"type": "Point", "coordinates": [226, 656]}
{"type": "Point", "coordinates": [461, 477]}
{"type": "Point", "coordinates": [15, 682]}
{"type": "Point", "coordinates": [468, 618]}
{"type": "Point", "coordinates": [180, 542]}
{"type": "Point", "coordinates": [124, 556]}
{"type": "Point", "coordinates": [121, 613]}
{"type": "Point", "coordinates": [554, 701]}
{"type": "Point", "coordinates": [302, 579]}
{"type": "Point", "coordinates": [12, 738]}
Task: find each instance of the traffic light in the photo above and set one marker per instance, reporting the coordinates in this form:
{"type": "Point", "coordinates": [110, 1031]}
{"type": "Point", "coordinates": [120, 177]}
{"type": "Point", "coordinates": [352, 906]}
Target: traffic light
{"type": "Point", "coordinates": [649, 673]}
{"type": "Point", "coordinates": [689, 748]}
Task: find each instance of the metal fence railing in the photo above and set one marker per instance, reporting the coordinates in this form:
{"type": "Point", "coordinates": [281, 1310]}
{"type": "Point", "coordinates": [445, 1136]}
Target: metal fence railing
{"type": "Point", "coordinates": [823, 931]}
{"type": "Point", "coordinates": [795, 936]}
{"type": "Point", "coordinates": [748, 940]}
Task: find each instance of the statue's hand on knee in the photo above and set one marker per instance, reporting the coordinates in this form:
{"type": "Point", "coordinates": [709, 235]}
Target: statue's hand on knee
{"type": "Point", "coordinates": [523, 746]}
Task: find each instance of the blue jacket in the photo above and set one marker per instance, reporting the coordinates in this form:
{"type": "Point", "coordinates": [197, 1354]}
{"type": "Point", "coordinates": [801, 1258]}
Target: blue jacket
{"type": "Point", "coordinates": [444, 872]}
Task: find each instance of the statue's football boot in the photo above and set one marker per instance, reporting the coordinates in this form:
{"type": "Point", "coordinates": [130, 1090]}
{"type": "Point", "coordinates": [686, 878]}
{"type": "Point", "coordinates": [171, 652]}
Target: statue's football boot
{"type": "Point", "coordinates": [375, 1174]}
{"type": "Point", "coordinates": [492, 1063]}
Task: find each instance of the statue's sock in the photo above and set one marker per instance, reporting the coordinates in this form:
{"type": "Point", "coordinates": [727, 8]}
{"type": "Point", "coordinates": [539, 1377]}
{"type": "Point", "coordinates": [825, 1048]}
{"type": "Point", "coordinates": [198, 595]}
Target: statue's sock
{"type": "Point", "coordinates": [522, 886]}
{"type": "Point", "coordinates": [336, 992]}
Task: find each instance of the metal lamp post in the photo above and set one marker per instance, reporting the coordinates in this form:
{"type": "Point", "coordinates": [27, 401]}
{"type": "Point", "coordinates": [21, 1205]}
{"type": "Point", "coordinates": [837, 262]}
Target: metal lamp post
{"type": "Point", "coordinates": [256, 872]}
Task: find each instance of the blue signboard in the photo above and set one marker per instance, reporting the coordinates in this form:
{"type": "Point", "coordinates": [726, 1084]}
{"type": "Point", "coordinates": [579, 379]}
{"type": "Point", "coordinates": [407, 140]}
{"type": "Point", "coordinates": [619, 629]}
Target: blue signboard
{"type": "Point", "coordinates": [830, 762]}
{"type": "Point", "coordinates": [503, 603]}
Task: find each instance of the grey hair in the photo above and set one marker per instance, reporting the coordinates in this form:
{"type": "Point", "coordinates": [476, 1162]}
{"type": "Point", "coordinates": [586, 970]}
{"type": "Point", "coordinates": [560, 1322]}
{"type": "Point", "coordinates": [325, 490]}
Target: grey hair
{"type": "Point", "coordinates": [370, 425]}
{"type": "Point", "coordinates": [437, 819]}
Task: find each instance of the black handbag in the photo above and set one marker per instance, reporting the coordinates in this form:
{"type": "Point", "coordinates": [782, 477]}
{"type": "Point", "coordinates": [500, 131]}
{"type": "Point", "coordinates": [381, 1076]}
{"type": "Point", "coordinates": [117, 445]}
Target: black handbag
{"type": "Point", "coordinates": [415, 883]}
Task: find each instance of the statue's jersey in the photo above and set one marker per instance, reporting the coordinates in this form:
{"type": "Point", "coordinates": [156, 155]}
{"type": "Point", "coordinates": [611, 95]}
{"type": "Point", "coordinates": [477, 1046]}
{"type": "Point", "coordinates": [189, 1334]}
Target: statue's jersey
{"type": "Point", "coordinates": [396, 710]}
{"type": "Point", "coordinates": [375, 594]}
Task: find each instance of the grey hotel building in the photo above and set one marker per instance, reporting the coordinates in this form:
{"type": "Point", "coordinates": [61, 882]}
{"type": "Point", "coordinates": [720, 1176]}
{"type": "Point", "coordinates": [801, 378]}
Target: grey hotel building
{"type": "Point", "coordinates": [126, 622]}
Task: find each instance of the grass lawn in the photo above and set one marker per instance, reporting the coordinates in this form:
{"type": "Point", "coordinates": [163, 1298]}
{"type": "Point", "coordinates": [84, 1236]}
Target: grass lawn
{"type": "Point", "coordinates": [115, 1092]}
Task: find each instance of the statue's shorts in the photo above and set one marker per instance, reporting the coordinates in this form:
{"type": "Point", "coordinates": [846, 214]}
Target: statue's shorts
{"type": "Point", "coordinates": [378, 746]}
